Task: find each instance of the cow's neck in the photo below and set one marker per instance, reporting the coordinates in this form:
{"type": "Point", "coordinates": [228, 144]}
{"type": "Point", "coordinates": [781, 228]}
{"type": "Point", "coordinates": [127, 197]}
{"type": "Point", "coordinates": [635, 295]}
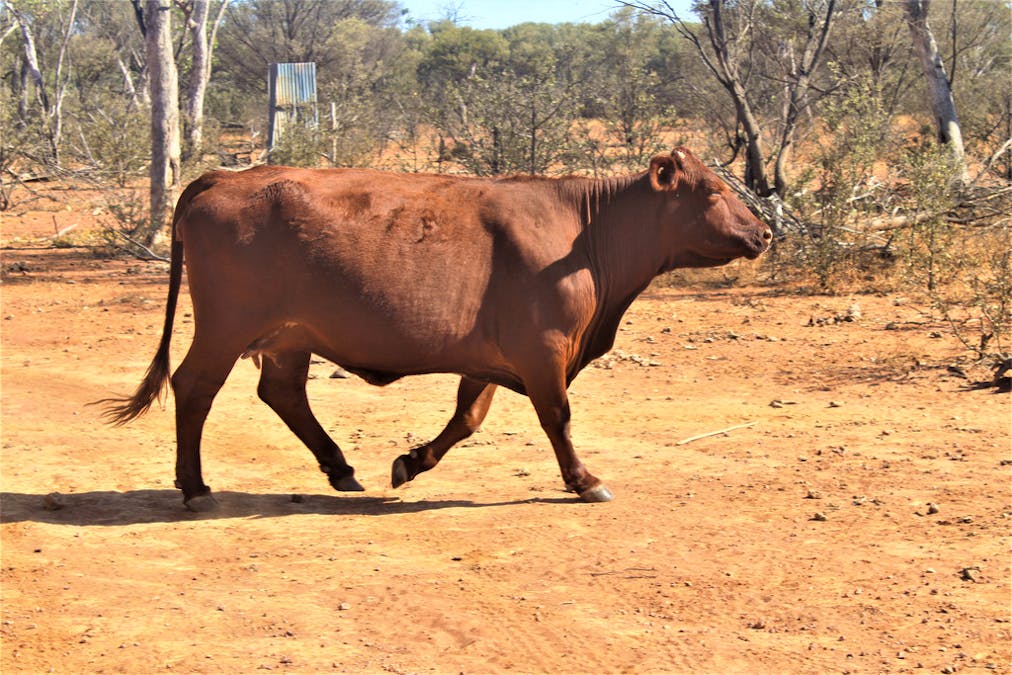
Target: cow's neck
{"type": "Point", "coordinates": [621, 247]}
{"type": "Point", "coordinates": [619, 235]}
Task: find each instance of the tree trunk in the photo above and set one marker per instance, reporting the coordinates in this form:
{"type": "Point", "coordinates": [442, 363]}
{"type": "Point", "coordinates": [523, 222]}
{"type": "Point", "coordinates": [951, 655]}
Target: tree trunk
{"type": "Point", "coordinates": [128, 82]}
{"type": "Point", "coordinates": [756, 177]}
{"type": "Point", "coordinates": [52, 108]}
{"type": "Point", "coordinates": [165, 178]}
{"type": "Point", "coordinates": [799, 81]}
{"type": "Point", "coordinates": [60, 88]}
{"type": "Point", "coordinates": [943, 107]}
{"type": "Point", "coordinates": [199, 73]}
{"type": "Point", "coordinates": [724, 65]}
{"type": "Point", "coordinates": [31, 63]}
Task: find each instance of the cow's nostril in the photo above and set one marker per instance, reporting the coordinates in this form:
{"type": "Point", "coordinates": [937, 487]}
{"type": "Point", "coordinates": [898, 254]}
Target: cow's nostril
{"type": "Point", "coordinates": [767, 234]}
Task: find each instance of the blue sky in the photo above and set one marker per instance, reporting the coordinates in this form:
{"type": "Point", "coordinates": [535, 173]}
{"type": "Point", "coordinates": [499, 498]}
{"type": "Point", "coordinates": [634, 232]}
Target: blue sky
{"type": "Point", "coordinates": [505, 13]}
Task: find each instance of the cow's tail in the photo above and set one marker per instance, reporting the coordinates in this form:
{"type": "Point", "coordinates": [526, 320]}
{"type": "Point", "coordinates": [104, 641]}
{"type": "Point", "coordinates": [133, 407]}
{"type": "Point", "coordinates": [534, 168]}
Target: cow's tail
{"type": "Point", "coordinates": [119, 411]}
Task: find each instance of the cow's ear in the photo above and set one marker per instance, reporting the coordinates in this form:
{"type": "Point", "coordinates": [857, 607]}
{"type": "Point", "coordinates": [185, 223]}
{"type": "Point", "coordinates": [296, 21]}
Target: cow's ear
{"type": "Point", "coordinates": [663, 173]}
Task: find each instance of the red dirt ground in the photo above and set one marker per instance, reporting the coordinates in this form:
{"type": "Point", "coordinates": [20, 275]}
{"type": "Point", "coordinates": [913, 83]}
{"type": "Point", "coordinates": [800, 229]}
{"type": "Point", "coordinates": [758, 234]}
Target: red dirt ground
{"type": "Point", "coordinates": [859, 525]}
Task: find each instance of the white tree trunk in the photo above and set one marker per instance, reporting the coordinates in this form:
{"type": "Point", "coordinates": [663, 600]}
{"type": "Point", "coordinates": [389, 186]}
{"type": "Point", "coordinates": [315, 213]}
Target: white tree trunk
{"type": "Point", "coordinates": [165, 174]}
{"type": "Point", "coordinates": [128, 82]}
{"type": "Point", "coordinates": [199, 73]}
{"type": "Point", "coordinates": [31, 58]}
{"type": "Point", "coordinates": [943, 107]}
{"type": "Point", "coordinates": [60, 87]}
{"type": "Point", "coordinates": [52, 107]}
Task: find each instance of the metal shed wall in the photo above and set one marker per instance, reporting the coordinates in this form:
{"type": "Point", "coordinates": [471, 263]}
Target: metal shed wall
{"type": "Point", "coordinates": [292, 91]}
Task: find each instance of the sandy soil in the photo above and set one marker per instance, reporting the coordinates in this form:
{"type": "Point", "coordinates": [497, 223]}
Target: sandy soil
{"type": "Point", "coordinates": [859, 524]}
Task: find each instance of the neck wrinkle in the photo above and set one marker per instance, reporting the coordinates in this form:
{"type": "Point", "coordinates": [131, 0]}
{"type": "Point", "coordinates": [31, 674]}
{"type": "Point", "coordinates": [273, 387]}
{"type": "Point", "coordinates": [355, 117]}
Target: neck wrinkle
{"type": "Point", "coordinates": [590, 197]}
{"type": "Point", "coordinates": [606, 243]}
{"type": "Point", "coordinates": [617, 279]}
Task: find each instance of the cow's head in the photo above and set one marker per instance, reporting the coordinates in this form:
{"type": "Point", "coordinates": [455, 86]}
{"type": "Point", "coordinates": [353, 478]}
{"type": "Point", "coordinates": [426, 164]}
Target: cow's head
{"type": "Point", "coordinates": [709, 224]}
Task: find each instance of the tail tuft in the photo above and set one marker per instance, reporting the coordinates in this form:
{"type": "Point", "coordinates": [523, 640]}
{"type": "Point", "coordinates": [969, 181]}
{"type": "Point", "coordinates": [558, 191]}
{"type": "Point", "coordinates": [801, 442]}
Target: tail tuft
{"type": "Point", "coordinates": [119, 411]}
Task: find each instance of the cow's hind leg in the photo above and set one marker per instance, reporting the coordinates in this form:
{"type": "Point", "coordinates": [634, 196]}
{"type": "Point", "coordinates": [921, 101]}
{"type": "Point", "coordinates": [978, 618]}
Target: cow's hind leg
{"type": "Point", "coordinates": [195, 384]}
{"type": "Point", "coordinates": [283, 388]}
{"type": "Point", "coordinates": [473, 400]}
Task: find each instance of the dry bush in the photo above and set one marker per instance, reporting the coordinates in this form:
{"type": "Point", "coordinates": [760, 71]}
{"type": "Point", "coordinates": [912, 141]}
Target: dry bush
{"type": "Point", "coordinates": [112, 142]}
{"type": "Point", "coordinates": [915, 228]}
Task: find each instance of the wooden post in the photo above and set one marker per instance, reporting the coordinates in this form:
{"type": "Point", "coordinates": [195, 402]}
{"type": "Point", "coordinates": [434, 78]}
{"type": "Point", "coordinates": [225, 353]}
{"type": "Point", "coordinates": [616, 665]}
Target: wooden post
{"type": "Point", "coordinates": [333, 134]}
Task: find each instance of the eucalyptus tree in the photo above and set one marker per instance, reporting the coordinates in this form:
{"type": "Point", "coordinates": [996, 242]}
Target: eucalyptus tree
{"type": "Point", "coordinates": [355, 45]}
{"type": "Point", "coordinates": [636, 76]}
{"type": "Point", "coordinates": [725, 42]}
{"type": "Point", "coordinates": [362, 90]}
{"type": "Point", "coordinates": [202, 40]}
{"type": "Point", "coordinates": [56, 20]}
{"type": "Point", "coordinates": [165, 171]}
{"type": "Point", "coordinates": [799, 33]}
{"type": "Point", "coordinates": [503, 100]}
{"type": "Point", "coordinates": [940, 98]}
{"type": "Point", "coordinates": [740, 42]}
{"type": "Point", "coordinates": [256, 33]}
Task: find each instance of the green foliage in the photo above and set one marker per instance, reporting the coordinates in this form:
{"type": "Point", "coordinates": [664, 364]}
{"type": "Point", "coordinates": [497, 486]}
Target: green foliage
{"type": "Point", "coordinates": [630, 85]}
{"type": "Point", "coordinates": [846, 190]}
{"type": "Point", "coordinates": [967, 273]}
{"type": "Point", "coordinates": [360, 91]}
{"type": "Point", "coordinates": [982, 49]}
{"type": "Point", "coordinates": [122, 216]}
{"type": "Point", "coordinates": [260, 32]}
{"type": "Point", "coordinates": [114, 138]}
{"type": "Point", "coordinates": [505, 124]}
{"type": "Point", "coordinates": [299, 145]}
{"type": "Point", "coordinates": [931, 179]}
{"type": "Point", "coordinates": [455, 53]}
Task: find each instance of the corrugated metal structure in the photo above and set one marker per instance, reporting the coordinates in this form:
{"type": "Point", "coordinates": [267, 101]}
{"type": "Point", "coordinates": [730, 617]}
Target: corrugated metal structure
{"type": "Point", "coordinates": [292, 90]}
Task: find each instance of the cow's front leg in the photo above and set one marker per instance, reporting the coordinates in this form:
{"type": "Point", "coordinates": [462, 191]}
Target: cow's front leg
{"type": "Point", "coordinates": [473, 400]}
{"type": "Point", "coordinates": [547, 391]}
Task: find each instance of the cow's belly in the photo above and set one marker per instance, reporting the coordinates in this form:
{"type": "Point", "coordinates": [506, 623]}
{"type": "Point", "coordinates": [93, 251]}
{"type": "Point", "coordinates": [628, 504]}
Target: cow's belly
{"type": "Point", "coordinates": [382, 351]}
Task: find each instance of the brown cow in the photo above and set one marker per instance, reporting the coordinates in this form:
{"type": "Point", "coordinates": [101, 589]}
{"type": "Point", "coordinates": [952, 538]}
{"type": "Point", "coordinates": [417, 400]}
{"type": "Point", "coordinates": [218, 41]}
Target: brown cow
{"type": "Point", "coordinates": [518, 282]}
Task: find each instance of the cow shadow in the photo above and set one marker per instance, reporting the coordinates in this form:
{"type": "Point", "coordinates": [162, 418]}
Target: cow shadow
{"type": "Point", "coordinates": [132, 507]}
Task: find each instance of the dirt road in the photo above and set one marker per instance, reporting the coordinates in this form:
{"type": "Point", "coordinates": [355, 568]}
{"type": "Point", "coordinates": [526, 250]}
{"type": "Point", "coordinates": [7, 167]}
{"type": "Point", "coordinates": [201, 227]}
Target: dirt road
{"type": "Point", "coordinates": [859, 523]}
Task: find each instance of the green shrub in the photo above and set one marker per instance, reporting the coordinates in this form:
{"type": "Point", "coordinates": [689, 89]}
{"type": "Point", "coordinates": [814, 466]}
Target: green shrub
{"type": "Point", "coordinates": [115, 139]}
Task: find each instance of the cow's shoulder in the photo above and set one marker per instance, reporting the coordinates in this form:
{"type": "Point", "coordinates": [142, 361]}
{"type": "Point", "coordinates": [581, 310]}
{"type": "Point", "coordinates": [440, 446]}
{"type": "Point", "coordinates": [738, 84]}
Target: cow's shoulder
{"type": "Point", "coordinates": [528, 215]}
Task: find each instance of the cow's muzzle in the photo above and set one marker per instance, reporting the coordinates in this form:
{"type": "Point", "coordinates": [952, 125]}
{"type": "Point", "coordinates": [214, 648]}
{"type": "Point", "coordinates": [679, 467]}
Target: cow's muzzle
{"type": "Point", "coordinates": [757, 242]}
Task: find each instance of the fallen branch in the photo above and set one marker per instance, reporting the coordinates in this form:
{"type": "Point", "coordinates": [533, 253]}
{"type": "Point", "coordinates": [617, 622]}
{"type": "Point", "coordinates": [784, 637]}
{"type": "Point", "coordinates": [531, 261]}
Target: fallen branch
{"type": "Point", "coordinates": [770, 209]}
{"type": "Point", "coordinates": [990, 162]}
{"type": "Point", "coordinates": [151, 255]}
{"type": "Point", "coordinates": [716, 433]}
{"type": "Point", "coordinates": [974, 209]}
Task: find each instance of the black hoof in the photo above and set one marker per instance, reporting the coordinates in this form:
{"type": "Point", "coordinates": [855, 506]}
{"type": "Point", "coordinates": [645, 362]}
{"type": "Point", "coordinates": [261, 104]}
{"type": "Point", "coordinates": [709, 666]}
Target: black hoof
{"type": "Point", "coordinates": [201, 503]}
{"type": "Point", "coordinates": [346, 484]}
{"type": "Point", "coordinates": [399, 472]}
{"type": "Point", "coordinates": [598, 493]}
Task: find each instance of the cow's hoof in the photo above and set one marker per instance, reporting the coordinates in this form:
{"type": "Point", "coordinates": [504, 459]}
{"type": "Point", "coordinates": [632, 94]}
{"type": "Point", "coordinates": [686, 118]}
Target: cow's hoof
{"type": "Point", "coordinates": [346, 484]}
{"type": "Point", "coordinates": [399, 472]}
{"type": "Point", "coordinates": [598, 493]}
{"type": "Point", "coordinates": [201, 503]}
